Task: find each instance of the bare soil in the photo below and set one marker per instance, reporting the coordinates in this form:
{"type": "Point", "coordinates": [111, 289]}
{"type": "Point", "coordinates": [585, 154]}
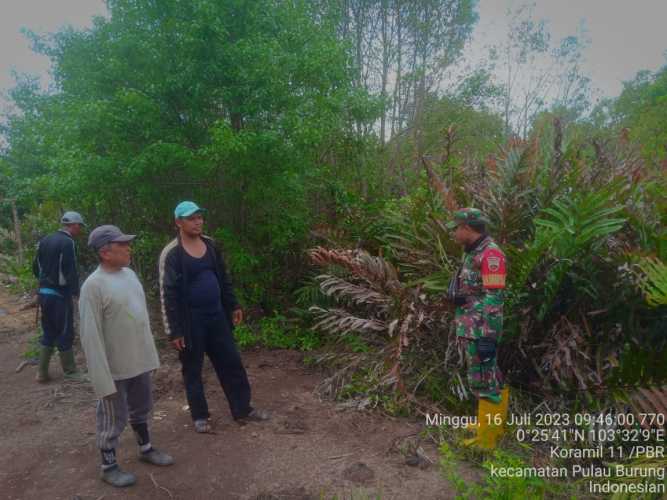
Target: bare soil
{"type": "Point", "coordinates": [310, 449]}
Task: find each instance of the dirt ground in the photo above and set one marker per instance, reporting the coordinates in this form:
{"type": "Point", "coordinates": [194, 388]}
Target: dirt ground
{"type": "Point", "coordinates": [310, 449]}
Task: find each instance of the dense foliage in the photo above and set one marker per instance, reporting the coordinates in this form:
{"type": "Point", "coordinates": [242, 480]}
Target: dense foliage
{"type": "Point", "coordinates": [331, 125]}
{"type": "Point", "coordinates": [233, 104]}
{"type": "Point", "coordinates": [577, 231]}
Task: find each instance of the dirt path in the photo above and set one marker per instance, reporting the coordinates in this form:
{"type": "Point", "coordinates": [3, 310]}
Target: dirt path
{"type": "Point", "coordinates": [309, 450]}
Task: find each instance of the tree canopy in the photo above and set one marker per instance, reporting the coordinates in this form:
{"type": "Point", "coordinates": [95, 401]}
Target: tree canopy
{"type": "Point", "coordinates": [301, 123]}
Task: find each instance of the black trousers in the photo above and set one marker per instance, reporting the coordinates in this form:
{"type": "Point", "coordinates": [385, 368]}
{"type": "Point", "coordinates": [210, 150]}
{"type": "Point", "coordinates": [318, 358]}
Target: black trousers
{"type": "Point", "coordinates": [57, 324]}
{"type": "Point", "coordinates": [210, 334]}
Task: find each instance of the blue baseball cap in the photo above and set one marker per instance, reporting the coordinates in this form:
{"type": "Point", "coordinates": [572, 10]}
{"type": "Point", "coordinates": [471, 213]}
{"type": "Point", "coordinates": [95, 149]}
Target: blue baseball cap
{"type": "Point", "coordinates": [186, 209]}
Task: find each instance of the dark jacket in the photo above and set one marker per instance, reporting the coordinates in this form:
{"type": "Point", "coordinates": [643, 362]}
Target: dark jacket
{"type": "Point", "coordinates": [174, 284]}
{"type": "Point", "coordinates": [55, 263]}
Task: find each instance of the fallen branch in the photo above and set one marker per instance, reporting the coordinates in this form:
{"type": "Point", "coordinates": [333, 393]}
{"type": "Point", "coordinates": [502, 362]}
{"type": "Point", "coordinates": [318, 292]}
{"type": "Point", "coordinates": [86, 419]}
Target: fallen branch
{"type": "Point", "coordinates": [341, 456]}
{"type": "Point", "coordinates": [25, 363]}
{"type": "Point", "coordinates": [422, 454]}
{"type": "Point", "coordinates": [160, 487]}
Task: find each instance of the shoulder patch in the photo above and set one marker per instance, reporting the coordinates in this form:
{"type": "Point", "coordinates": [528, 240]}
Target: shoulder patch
{"type": "Point", "coordinates": [493, 268]}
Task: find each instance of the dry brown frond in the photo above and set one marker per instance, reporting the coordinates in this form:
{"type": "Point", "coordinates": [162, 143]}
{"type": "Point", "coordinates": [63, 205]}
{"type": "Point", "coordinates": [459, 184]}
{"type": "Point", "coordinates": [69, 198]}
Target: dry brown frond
{"type": "Point", "coordinates": [568, 357]}
{"type": "Point", "coordinates": [448, 198]}
{"type": "Point", "coordinates": [339, 288]}
{"type": "Point", "coordinates": [644, 402]}
{"type": "Point", "coordinates": [340, 321]}
{"type": "Point", "coordinates": [377, 272]}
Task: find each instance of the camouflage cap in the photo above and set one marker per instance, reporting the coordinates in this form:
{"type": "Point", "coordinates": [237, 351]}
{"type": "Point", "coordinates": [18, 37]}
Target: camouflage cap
{"type": "Point", "coordinates": [467, 216]}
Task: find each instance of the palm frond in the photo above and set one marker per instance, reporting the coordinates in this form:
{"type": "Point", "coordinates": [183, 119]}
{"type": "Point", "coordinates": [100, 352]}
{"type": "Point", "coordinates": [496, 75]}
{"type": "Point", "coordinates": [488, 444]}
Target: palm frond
{"type": "Point", "coordinates": [570, 231]}
{"type": "Point", "coordinates": [654, 281]}
{"type": "Point", "coordinates": [339, 321]}
{"type": "Point", "coordinates": [419, 242]}
{"type": "Point", "coordinates": [341, 289]}
{"type": "Point", "coordinates": [507, 197]}
{"type": "Point", "coordinates": [378, 273]}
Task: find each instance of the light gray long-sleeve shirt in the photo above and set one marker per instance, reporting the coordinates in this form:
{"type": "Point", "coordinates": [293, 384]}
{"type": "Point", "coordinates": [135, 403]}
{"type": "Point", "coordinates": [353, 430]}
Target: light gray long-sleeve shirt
{"type": "Point", "coordinates": [115, 329]}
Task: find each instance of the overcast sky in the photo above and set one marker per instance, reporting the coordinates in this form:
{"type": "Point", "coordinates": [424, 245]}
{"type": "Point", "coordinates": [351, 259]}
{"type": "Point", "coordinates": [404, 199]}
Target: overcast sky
{"type": "Point", "coordinates": [41, 16]}
{"type": "Point", "coordinates": [626, 35]}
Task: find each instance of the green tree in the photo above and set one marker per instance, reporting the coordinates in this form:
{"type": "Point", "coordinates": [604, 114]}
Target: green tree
{"type": "Point", "coordinates": [232, 103]}
{"type": "Point", "coordinates": [642, 108]}
{"type": "Point", "coordinates": [401, 50]}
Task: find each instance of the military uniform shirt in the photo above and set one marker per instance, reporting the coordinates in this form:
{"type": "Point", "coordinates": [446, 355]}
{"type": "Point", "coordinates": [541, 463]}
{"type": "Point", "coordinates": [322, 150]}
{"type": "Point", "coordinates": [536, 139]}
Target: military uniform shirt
{"type": "Point", "coordinates": [481, 279]}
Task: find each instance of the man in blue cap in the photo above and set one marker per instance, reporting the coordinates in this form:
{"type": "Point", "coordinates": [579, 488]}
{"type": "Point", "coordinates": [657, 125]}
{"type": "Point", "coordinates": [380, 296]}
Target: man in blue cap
{"type": "Point", "coordinates": [199, 311]}
{"type": "Point", "coordinates": [55, 267]}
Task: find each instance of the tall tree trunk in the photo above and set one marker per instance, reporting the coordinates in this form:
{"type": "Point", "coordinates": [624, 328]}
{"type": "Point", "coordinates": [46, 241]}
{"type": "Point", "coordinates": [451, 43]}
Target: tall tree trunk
{"type": "Point", "coordinates": [346, 18]}
{"type": "Point", "coordinates": [359, 37]}
{"type": "Point", "coordinates": [395, 128]}
{"type": "Point", "coordinates": [237, 121]}
{"type": "Point", "coordinates": [385, 70]}
{"type": "Point", "coordinates": [17, 230]}
{"type": "Point", "coordinates": [508, 93]}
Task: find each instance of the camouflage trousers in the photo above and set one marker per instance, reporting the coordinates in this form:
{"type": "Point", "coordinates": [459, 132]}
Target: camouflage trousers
{"type": "Point", "coordinates": [484, 379]}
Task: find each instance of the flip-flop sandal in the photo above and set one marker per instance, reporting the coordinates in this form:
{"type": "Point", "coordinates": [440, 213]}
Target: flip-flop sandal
{"type": "Point", "coordinates": [203, 427]}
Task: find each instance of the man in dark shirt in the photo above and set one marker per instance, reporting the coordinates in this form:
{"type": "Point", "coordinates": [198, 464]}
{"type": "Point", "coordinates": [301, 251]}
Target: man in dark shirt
{"type": "Point", "coordinates": [55, 268]}
{"type": "Point", "coordinates": [199, 310]}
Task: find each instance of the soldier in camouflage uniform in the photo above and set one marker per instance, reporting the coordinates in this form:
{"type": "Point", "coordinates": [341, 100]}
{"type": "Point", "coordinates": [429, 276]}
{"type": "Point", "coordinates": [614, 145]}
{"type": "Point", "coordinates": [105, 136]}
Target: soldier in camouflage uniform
{"type": "Point", "coordinates": [477, 291]}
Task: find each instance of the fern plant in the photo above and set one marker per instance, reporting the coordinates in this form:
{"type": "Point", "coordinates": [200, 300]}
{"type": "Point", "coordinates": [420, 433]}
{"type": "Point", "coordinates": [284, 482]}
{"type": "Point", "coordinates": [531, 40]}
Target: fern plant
{"type": "Point", "coordinates": [507, 195]}
{"type": "Point", "coordinates": [417, 239]}
{"type": "Point", "coordinates": [571, 231]}
{"type": "Point", "coordinates": [654, 281]}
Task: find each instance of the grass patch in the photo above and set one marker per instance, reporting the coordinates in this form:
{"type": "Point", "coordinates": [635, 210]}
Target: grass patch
{"type": "Point", "coordinates": [34, 346]}
{"type": "Point", "coordinates": [494, 486]}
{"type": "Point", "coordinates": [25, 281]}
{"type": "Point", "coordinates": [276, 332]}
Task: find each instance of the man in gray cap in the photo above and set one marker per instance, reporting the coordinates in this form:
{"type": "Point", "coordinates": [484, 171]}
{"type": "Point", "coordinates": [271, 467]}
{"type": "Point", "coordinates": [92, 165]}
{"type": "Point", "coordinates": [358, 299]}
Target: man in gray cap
{"type": "Point", "coordinates": [56, 269]}
{"type": "Point", "coordinates": [120, 351]}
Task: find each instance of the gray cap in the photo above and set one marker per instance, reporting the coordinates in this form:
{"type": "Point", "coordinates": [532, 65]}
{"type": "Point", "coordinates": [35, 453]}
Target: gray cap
{"type": "Point", "coordinates": [72, 218]}
{"type": "Point", "coordinates": [103, 235]}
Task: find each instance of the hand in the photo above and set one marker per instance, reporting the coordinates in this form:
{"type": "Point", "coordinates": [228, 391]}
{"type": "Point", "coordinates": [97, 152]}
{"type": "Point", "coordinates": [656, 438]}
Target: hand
{"type": "Point", "coordinates": [237, 316]}
{"type": "Point", "coordinates": [486, 348]}
{"type": "Point", "coordinates": [111, 396]}
{"type": "Point", "coordinates": [179, 343]}
{"type": "Point", "coordinates": [460, 300]}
